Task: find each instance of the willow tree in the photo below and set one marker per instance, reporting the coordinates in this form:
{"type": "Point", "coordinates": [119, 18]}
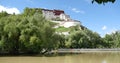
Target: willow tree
{"type": "Point", "coordinates": [27, 34]}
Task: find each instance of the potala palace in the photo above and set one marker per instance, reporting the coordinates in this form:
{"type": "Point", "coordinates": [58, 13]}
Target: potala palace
{"type": "Point", "coordinates": [59, 16]}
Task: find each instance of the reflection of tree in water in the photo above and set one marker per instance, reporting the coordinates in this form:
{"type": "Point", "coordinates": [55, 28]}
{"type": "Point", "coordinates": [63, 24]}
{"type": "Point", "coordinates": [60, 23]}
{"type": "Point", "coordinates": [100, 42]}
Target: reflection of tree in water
{"type": "Point", "coordinates": [97, 58]}
{"type": "Point", "coordinates": [104, 61]}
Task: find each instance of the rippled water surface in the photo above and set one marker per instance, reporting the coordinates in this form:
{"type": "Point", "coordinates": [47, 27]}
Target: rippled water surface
{"type": "Point", "coordinates": [71, 58]}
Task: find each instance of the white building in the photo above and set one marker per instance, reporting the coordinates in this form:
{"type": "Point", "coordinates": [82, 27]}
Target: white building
{"type": "Point", "coordinates": [67, 24]}
{"type": "Point", "coordinates": [58, 16]}
{"type": "Point", "coordinates": [48, 14]}
{"type": "Point", "coordinates": [64, 17]}
{"type": "Point", "coordinates": [70, 23]}
{"type": "Point", "coordinates": [53, 14]}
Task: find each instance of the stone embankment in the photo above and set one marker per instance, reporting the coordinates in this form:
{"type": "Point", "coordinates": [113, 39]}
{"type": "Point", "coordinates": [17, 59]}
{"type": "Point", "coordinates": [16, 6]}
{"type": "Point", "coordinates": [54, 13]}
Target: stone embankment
{"type": "Point", "coordinates": [85, 50]}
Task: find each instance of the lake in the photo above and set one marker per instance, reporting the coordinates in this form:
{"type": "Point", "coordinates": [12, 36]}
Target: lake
{"type": "Point", "coordinates": [68, 58]}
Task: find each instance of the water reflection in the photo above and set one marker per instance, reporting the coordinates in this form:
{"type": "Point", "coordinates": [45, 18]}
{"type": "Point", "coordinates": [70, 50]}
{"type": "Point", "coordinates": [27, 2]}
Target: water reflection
{"type": "Point", "coordinates": [74, 58]}
{"type": "Point", "coordinates": [104, 61]}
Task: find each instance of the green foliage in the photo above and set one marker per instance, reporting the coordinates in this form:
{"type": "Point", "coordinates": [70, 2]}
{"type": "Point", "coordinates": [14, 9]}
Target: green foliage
{"type": "Point", "coordinates": [103, 1]}
{"type": "Point", "coordinates": [26, 34]}
{"type": "Point", "coordinates": [70, 29]}
{"type": "Point", "coordinates": [3, 14]}
{"type": "Point", "coordinates": [57, 19]}
{"type": "Point", "coordinates": [84, 39]}
{"type": "Point", "coordinates": [73, 29]}
{"type": "Point", "coordinates": [30, 32]}
{"type": "Point", "coordinates": [31, 11]}
{"type": "Point", "coordinates": [112, 40]}
{"type": "Point", "coordinates": [62, 29]}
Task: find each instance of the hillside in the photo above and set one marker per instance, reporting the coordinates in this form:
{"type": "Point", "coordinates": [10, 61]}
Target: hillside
{"type": "Point", "coordinates": [64, 24]}
{"type": "Point", "coordinates": [31, 32]}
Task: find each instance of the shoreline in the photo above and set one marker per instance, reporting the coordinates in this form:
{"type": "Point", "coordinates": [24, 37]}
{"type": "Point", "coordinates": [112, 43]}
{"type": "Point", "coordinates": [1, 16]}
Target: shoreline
{"type": "Point", "coordinates": [85, 50]}
{"type": "Point", "coordinates": [66, 51]}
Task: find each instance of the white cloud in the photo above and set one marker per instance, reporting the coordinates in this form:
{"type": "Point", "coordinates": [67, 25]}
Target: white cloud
{"type": "Point", "coordinates": [112, 31]}
{"type": "Point", "coordinates": [78, 11]}
{"type": "Point", "coordinates": [104, 27]}
{"type": "Point", "coordinates": [9, 10]}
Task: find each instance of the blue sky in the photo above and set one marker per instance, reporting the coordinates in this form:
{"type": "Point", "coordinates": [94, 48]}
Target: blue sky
{"type": "Point", "coordinates": [98, 18]}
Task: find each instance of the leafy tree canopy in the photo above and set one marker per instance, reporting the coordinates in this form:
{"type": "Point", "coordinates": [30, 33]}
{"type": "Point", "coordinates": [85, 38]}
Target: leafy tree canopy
{"type": "Point", "coordinates": [103, 1]}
